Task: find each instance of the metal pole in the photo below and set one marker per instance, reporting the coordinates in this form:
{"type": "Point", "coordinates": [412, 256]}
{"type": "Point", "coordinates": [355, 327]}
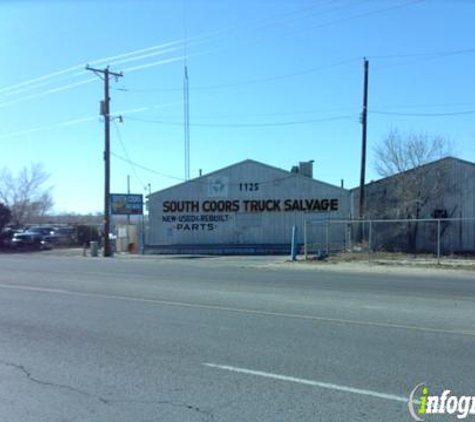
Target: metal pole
{"type": "Point", "coordinates": [327, 237]}
{"type": "Point", "coordinates": [293, 246]}
{"type": "Point", "coordinates": [438, 241]}
{"type": "Point", "coordinates": [187, 123]}
{"type": "Point", "coordinates": [142, 236]}
{"type": "Point", "coordinates": [369, 239]}
{"type": "Point", "coordinates": [349, 230]}
{"type": "Point", "coordinates": [305, 248]}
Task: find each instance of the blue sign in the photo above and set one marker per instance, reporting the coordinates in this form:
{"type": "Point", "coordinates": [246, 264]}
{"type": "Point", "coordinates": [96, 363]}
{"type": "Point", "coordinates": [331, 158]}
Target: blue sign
{"type": "Point", "coordinates": [126, 204]}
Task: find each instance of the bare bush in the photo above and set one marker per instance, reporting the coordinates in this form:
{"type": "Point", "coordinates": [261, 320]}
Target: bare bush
{"type": "Point", "coordinates": [25, 193]}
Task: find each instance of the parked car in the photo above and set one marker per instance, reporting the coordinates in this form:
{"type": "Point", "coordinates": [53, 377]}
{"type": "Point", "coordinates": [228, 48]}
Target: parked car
{"type": "Point", "coordinates": [30, 240]}
{"type": "Point", "coordinates": [65, 235]}
{"type": "Point", "coordinates": [47, 232]}
{"type": "Point", "coordinates": [44, 230]}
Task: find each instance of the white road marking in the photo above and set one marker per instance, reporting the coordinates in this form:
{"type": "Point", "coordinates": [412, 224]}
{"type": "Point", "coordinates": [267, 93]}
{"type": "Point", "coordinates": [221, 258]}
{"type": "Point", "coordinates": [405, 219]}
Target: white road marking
{"type": "Point", "coordinates": [312, 383]}
{"type": "Point", "coordinates": [239, 310]}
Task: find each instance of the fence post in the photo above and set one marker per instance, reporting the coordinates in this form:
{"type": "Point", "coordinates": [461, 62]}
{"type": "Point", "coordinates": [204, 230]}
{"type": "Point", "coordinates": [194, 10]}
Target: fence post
{"type": "Point", "coordinates": [349, 243]}
{"type": "Point", "coordinates": [327, 237]}
{"type": "Point", "coordinates": [305, 250]}
{"type": "Point", "coordinates": [369, 239]}
{"type": "Point", "coordinates": [438, 241]}
{"type": "Point", "coordinates": [293, 248]}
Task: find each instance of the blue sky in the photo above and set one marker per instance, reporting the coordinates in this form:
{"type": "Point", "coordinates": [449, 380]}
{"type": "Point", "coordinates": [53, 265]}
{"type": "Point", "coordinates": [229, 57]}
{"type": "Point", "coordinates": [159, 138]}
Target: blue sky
{"type": "Point", "coordinates": [276, 81]}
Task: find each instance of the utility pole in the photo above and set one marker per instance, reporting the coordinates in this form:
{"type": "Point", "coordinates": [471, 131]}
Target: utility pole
{"type": "Point", "coordinates": [105, 111]}
{"type": "Point", "coordinates": [128, 215]}
{"type": "Point", "coordinates": [364, 122]}
{"type": "Point", "coordinates": [128, 193]}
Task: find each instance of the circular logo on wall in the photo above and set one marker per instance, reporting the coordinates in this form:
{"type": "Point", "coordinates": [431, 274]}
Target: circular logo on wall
{"type": "Point", "coordinates": [218, 186]}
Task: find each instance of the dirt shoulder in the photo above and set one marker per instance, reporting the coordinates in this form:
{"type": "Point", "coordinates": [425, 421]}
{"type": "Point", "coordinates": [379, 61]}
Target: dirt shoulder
{"type": "Point", "coordinates": [347, 263]}
{"type": "Point", "coordinates": [391, 264]}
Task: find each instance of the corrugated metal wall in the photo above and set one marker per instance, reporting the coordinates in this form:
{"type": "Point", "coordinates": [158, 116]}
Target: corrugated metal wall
{"type": "Point", "coordinates": [447, 186]}
{"type": "Point", "coordinates": [459, 200]}
{"type": "Point", "coordinates": [247, 203]}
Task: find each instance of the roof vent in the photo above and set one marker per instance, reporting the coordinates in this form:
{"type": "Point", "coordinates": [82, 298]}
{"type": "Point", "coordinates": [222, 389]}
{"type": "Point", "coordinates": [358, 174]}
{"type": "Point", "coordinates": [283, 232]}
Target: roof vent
{"type": "Point", "coordinates": [306, 168]}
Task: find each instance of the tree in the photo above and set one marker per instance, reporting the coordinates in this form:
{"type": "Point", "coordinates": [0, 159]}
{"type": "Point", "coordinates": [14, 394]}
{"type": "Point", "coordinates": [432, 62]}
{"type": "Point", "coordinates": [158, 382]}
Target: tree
{"type": "Point", "coordinates": [5, 216]}
{"type": "Point", "coordinates": [25, 193]}
{"type": "Point", "coordinates": [398, 153]}
{"type": "Point", "coordinates": [411, 184]}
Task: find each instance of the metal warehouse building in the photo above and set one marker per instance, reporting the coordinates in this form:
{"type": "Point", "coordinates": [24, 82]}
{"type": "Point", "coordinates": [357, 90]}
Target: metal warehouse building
{"type": "Point", "coordinates": [441, 190]}
{"type": "Point", "coordinates": [248, 207]}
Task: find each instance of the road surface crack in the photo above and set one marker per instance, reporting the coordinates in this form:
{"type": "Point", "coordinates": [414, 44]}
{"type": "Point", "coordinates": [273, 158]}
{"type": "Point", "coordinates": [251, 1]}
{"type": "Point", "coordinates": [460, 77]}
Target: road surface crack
{"type": "Point", "coordinates": [52, 384]}
{"type": "Point", "coordinates": [172, 403]}
{"type": "Point", "coordinates": [103, 400]}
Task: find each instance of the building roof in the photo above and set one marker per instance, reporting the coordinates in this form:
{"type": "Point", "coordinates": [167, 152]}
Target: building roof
{"type": "Point", "coordinates": [419, 168]}
{"type": "Point", "coordinates": [284, 173]}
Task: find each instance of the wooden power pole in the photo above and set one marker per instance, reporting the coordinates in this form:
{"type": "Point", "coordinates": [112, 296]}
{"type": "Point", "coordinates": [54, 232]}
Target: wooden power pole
{"type": "Point", "coordinates": [105, 111]}
{"type": "Point", "coordinates": [364, 122]}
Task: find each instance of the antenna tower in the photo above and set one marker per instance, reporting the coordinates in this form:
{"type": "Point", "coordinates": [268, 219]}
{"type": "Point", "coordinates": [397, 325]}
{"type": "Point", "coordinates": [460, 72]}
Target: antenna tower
{"type": "Point", "coordinates": [187, 124]}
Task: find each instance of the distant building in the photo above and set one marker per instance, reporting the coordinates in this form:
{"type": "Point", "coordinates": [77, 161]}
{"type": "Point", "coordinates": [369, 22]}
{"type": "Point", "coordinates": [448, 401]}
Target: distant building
{"type": "Point", "coordinates": [248, 207]}
{"type": "Point", "coordinates": [442, 189]}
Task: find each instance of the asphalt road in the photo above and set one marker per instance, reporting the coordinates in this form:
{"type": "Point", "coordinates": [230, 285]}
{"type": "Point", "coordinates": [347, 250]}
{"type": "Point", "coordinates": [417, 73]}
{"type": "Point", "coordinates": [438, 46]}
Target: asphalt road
{"type": "Point", "coordinates": [84, 339]}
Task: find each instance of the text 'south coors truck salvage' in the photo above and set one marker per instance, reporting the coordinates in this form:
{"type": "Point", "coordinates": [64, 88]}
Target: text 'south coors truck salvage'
{"type": "Point", "coordinates": [251, 205]}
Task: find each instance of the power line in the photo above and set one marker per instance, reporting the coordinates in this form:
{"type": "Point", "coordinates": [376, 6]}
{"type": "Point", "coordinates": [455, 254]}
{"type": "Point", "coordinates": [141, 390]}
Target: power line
{"type": "Point", "coordinates": [39, 85]}
{"type": "Point", "coordinates": [252, 81]}
{"type": "Point", "coordinates": [127, 160]}
{"type": "Point", "coordinates": [407, 62]}
{"type": "Point", "coordinates": [198, 39]}
{"type": "Point", "coordinates": [175, 45]}
{"type": "Point", "coordinates": [49, 91]}
{"type": "Point", "coordinates": [284, 19]}
{"type": "Point", "coordinates": [31, 85]}
{"type": "Point", "coordinates": [455, 113]}
{"type": "Point", "coordinates": [366, 14]}
{"type": "Point", "coordinates": [85, 119]}
{"type": "Point", "coordinates": [46, 79]}
{"type": "Point", "coordinates": [422, 56]}
{"type": "Point", "coordinates": [253, 115]}
{"type": "Point", "coordinates": [147, 55]}
{"type": "Point", "coordinates": [119, 136]}
{"type": "Point", "coordinates": [81, 66]}
{"type": "Point", "coordinates": [246, 125]}
{"type": "Point", "coordinates": [172, 46]}
{"type": "Point", "coordinates": [41, 78]}
{"type": "Point", "coordinates": [87, 81]}
{"type": "Point", "coordinates": [431, 105]}
{"type": "Point", "coordinates": [430, 55]}
{"type": "Point", "coordinates": [315, 111]}
{"type": "Point", "coordinates": [195, 181]}
{"type": "Point", "coordinates": [165, 47]}
{"type": "Point", "coordinates": [419, 57]}
{"type": "Point", "coordinates": [43, 128]}
{"type": "Point", "coordinates": [165, 61]}
{"type": "Point", "coordinates": [166, 122]}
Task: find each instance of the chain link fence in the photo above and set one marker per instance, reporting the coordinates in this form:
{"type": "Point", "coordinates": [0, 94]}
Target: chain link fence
{"type": "Point", "coordinates": [437, 237]}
